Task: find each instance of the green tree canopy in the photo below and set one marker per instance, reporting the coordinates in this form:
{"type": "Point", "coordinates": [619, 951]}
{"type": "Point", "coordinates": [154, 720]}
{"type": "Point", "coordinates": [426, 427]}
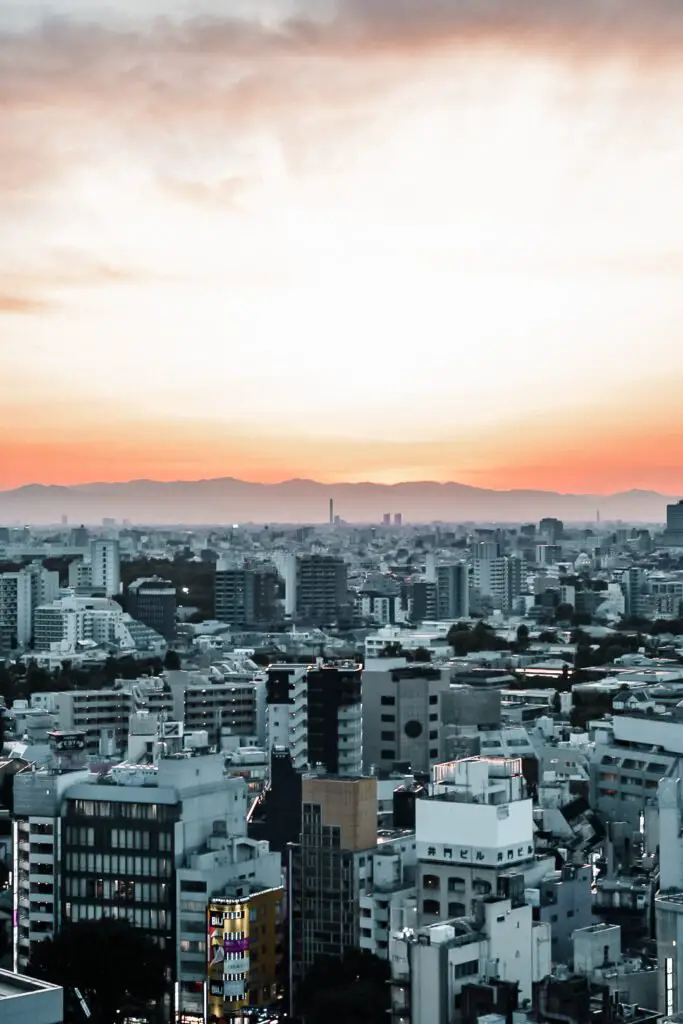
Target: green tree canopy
{"type": "Point", "coordinates": [115, 966]}
{"type": "Point", "coordinates": [352, 990]}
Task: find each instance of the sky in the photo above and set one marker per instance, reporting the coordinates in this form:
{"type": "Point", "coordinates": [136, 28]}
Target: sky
{"type": "Point", "coordinates": [342, 239]}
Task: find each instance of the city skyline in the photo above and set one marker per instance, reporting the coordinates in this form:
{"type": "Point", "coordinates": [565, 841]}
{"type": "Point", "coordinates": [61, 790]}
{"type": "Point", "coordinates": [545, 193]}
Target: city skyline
{"type": "Point", "coordinates": [344, 241]}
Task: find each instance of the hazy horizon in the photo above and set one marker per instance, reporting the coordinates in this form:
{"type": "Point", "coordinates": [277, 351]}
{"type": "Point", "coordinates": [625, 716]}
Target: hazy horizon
{"type": "Point", "coordinates": [370, 240]}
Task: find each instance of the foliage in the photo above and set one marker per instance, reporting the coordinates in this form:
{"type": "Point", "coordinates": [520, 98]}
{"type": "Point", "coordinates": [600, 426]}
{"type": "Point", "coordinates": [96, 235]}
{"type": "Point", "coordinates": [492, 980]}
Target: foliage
{"type": "Point", "coordinates": [115, 966]}
{"type": "Point", "coordinates": [172, 661]}
{"type": "Point", "coordinates": [482, 637]}
{"type": "Point", "coordinates": [350, 990]}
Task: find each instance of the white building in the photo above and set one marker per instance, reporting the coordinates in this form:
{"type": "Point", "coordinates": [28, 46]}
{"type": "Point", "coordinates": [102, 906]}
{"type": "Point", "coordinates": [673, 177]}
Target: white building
{"type": "Point", "coordinates": [105, 561]}
{"type": "Point", "coordinates": [70, 621]}
{"type": "Point", "coordinates": [475, 837]}
{"type": "Point", "coordinates": [431, 965]}
{"type": "Point", "coordinates": [15, 608]}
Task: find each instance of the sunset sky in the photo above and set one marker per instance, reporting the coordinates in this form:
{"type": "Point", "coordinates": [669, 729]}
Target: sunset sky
{"type": "Point", "coordinates": [342, 239]}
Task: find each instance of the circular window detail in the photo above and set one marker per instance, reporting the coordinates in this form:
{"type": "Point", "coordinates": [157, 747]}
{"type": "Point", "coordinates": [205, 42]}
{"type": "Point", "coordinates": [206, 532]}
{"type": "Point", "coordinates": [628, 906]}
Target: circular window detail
{"type": "Point", "coordinates": [413, 729]}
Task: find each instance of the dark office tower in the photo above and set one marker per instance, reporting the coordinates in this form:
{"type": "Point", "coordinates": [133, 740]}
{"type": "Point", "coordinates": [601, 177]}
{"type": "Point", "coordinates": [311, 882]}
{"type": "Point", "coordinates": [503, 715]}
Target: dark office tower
{"type": "Point", "coordinates": [398, 519]}
{"type": "Point", "coordinates": [80, 537]}
{"type": "Point", "coordinates": [152, 601]}
{"type": "Point", "coordinates": [338, 823]}
{"type": "Point", "coordinates": [331, 511]}
{"type": "Point", "coordinates": [315, 712]}
{"type": "Point", "coordinates": [551, 528]}
{"type": "Point", "coordinates": [423, 600]}
{"type": "Point", "coordinates": [276, 815]}
{"type": "Point", "coordinates": [321, 588]}
{"type": "Point", "coordinates": [246, 596]}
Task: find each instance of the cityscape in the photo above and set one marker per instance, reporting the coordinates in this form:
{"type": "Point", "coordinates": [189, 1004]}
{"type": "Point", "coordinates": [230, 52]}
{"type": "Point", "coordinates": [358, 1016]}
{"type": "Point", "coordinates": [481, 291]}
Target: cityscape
{"type": "Point", "coordinates": [425, 773]}
{"type": "Point", "coordinates": [341, 512]}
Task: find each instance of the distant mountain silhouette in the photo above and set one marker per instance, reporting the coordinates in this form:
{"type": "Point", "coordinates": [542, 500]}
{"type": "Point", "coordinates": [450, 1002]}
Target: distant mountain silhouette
{"type": "Point", "coordinates": [227, 500]}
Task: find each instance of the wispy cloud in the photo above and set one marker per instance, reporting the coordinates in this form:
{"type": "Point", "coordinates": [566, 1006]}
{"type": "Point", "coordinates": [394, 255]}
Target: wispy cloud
{"type": "Point", "coordinates": [21, 305]}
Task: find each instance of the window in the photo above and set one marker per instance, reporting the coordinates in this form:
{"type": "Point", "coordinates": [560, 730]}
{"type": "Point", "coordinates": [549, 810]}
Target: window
{"type": "Point", "coordinates": [434, 699]}
{"type": "Point", "coordinates": [434, 734]}
{"type": "Point", "coordinates": [388, 701]}
{"type": "Point", "coordinates": [413, 729]}
{"type": "Point", "coordinates": [389, 735]}
{"type": "Point", "coordinates": [388, 718]}
{"type": "Point", "coordinates": [432, 907]}
{"type": "Point", "coordinates": [466, 969]}
{"type": "Point", "coordinates": [433, 752]}
{"type": "Point", "coordinates": [434, 717]}
{"type": "Point", "coordinates": [455, 883]}
{"type": "Point", "coordinates": [456, 909]}
{"type": "Point", "coordinates": [387, 755]}
{"type": "Point", "coordinates": [431, 882]}
{"type": "Point", "coordinates": [191, 885]}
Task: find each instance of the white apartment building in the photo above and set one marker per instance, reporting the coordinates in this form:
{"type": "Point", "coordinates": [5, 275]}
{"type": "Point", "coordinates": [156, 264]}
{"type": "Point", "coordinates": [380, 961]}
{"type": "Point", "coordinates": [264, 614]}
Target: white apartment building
{"type": "Point", "coordinates": [37, 837]}
{"type": "Point", "coordinates": [105, 561]}
{"type": "Point", "coordinates": [431, 965]}
{"type": "Point", "coordinates": [315, 712]}
{"type": "Point", "coordinates": [387, 889]}
{"type": "Point", "coordinates": [223, 703]}
{"type": "Point", "coordinates": [70, 621]}
{"type": "Point", "coordinates": [16, 607]}
{"type": "Point", "coordinates": [669, 899]}
{"type": "Point", "coordinates": [498, 581]}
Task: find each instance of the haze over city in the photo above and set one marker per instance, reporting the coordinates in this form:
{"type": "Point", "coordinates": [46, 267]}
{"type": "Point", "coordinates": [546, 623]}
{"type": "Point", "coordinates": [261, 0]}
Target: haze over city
{"type": "Point", "coordinates": [373, 240]}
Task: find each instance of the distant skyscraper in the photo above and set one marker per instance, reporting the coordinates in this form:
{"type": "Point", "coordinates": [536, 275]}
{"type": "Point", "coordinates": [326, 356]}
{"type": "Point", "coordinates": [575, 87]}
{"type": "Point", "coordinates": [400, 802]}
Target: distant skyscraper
{"type": "Point", "coordinates": [105, 558]}
{"type": "Point", "coordinates": [331, 511]}
{"type": "Point", "coordinates": [398, 519]}
{"type": "Point", "coordinates": [152, 601]}
{"type": "Point", "coordinates": [386, 519]}
{"type": "Point", "coordinates": [674, 525]}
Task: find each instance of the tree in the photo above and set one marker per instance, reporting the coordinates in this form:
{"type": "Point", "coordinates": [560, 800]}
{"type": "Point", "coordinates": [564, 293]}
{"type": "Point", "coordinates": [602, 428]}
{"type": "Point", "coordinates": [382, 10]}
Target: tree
{"type": "Point", "coordinates": [351, 990]}
{"type": "Point", "coordinates": [172, 661]}
{"type": "Point", "coordinates": [116, 967]}
{"type": "Point", "coordinates": [522, 637]}
{"type": "Point", "coordinates": [421, 654]}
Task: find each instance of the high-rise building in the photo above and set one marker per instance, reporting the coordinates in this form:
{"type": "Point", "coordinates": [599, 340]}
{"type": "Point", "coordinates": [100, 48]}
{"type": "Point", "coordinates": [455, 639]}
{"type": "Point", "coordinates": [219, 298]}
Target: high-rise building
{"type": "Point", "coordinates": [386, 519]}
{"type": "Point", "coordinates": [321, 588]}
{"type": "Point", "coordinates": [398, 519]}
{"type": "Point", "coordinates": [339, 819]}
{"type": "Point", "coordinates": [401, 716]}
{"type": "Point", "coordinates": [497, 580]}
{"type": "Point", "coordinates": [105, 559]}
{"type": "Point", "coordinates": [452, 588]}
{"type": "Point", "coordinates": [246, 596]}
{"type": "Point", "coordinates": [16, 609]}
{"type": "Point", "coordinates": [152, 600]}
{"type": "Point", "coordinates": [674, 525]}
{"type": "Point", "coordinates": [331, 511]}
{"type": "Point", "coordinates": [552, 529]}
{"type": "Point", "coordinates": [315, 712]}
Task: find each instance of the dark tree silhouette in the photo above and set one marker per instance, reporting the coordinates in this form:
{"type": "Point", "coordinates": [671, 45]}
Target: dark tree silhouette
{"type": "Point", "coordinates": [115, 966]}
{"type": "Point", "coordinates": [172, 661]}
{"type": "Point", "coordinates": [352, 990]}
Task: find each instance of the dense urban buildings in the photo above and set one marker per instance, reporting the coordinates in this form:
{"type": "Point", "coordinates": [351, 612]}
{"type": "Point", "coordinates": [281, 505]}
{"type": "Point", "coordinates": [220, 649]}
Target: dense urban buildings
{"type": "Point", "coordinates": [451, 749]}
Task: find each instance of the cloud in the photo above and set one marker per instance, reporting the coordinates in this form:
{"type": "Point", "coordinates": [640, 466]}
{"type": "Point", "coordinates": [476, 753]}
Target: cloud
{"type": "Point", "coordinates": [21, 305]}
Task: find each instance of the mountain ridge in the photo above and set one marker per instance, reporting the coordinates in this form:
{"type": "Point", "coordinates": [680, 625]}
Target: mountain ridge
{"type": "Point", "coordinates": [229, 499]}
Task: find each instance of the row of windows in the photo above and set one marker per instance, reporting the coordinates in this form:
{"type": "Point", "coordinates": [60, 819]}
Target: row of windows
{"type": "Point", "coordinates": [455, 883]}
{"type": "Point", "coordinates": [390, 735]}
{"type": "Point", "coordinates": [117, 889]}
{"type": "Point", "coordinates": [392, 718]}
{"type": "Point", "coordinates": [156, 920]}
{"type": "Point", "coordinates": [114, 864]}
{"type": "Point", "coordinates": [389, 702]}
{"type": "Point", "coordinates": [433, 907]}
{"type": "Point", "coordinates": [121, 838]}
{"type": "Point", "coordinates": [114, 809]}
{"type": "Point", "coordinates": [390, 755]}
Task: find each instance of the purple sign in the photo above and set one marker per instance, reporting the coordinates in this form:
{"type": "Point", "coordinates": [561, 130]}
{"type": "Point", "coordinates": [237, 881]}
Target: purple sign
{"type": "Point", "coordinates": [235, 945]}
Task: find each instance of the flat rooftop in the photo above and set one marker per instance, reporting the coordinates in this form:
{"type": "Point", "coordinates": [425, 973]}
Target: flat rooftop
{"type": "Point", "coordinates": [12, 985]}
